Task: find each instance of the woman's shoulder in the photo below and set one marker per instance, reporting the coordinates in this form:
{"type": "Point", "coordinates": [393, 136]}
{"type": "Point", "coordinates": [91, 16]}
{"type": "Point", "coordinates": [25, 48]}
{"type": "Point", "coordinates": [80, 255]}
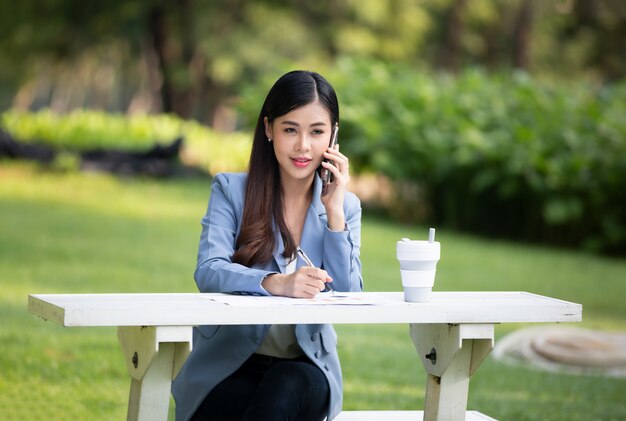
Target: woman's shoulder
{"type": "Point", "coordinates": [351, 202]}
{"type": "Point", "coordinates": [230, 179]}
{"type": "Point", "coordinates": [231, 186]}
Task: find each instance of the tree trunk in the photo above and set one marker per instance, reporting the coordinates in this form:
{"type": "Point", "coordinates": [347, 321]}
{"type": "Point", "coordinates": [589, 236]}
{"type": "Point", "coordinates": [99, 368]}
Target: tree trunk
{"type": "Point", "coordinates": [174, 65]}
{"type": "Point", "coordinates": [521, 36]}
{"type": "Point", "coordinates": [183, 93]}
{"type": "Point", "coordinates": [158, 35]}
{"type": "Point", "coordinates": [451, 49]}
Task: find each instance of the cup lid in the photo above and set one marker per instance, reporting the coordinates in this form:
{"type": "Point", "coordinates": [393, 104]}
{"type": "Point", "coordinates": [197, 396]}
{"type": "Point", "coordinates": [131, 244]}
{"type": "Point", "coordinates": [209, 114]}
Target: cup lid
{"type": "Point", "coordinates": [407, 249]}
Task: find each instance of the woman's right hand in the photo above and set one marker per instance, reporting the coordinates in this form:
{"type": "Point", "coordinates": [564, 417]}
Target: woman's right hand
{"type": "Point", "coordinates": [306, 282]}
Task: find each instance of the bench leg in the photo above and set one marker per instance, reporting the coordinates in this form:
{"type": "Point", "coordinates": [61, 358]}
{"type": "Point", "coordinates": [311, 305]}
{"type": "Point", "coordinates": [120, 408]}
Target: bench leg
{"type": "Point", "coordinates": [150, 396]}
{"type": "Point", "coordinates": [450, 355]}
{"type": "Point", "coordinates": [446, 395]}
{"type": "Point", "coordinates": [154, 355]}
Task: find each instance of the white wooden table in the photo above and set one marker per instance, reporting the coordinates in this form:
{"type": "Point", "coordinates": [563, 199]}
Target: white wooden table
{"type": "Point", "coordinates": [452, 335]}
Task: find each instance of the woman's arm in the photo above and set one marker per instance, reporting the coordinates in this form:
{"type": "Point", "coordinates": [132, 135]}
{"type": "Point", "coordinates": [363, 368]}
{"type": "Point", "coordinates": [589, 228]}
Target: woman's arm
{"type": "Point", "coordinates": [342, 238]}
{"type": "Point", "coordinates": [342, 249]}
{"type": "Point", "coordinates": [215, 272]}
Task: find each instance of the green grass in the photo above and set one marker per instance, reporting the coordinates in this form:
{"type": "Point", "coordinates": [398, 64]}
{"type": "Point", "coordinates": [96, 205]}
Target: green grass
{"type": "Point", "coordinates": [69, 233]}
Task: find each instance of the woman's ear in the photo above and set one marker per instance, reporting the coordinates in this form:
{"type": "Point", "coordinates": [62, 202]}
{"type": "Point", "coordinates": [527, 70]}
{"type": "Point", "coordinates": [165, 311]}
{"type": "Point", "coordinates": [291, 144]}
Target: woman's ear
{"type": "Point", "coordinates": [268, 128]}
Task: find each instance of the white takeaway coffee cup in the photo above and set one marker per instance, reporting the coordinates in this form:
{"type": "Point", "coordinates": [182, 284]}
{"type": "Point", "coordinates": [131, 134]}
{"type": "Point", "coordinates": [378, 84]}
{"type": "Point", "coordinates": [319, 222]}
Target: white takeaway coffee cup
{"type": "Point", "coordinates": [418, 264]}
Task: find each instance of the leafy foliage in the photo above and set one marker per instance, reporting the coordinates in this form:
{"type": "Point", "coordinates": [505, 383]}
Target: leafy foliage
{"type": "Point", "coordinates": [191, 58]}
{"type": "Point", "coordinates": [83, 130]}
{"type": "Point", "coordinates": [501, 155]}
{"type": "Point", "coordinates": [498, 154]}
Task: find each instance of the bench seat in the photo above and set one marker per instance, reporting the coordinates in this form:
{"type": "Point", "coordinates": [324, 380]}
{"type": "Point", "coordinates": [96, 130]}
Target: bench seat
{"type": "Point", "coordinates": [400, 416]}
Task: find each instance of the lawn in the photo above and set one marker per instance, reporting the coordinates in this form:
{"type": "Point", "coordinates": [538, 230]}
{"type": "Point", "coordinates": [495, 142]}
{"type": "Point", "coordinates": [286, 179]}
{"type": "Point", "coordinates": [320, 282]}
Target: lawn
{"type": "Point", "coordinates": [70, 233]}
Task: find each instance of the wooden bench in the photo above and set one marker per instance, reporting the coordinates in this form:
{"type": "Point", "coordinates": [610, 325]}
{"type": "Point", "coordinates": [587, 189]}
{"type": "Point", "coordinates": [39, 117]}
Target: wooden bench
{"type": "Point", "coordinates": [400, 416]}
{"type": "Point", "coordinates": [452, 333]}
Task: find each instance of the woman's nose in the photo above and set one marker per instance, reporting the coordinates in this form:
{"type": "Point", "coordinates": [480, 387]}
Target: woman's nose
{"type": "Point", "coordinates": [304, 143]}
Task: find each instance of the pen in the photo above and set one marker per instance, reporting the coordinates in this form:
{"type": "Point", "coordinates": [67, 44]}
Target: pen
{"type": "Point", "coordinates": [308, 261]}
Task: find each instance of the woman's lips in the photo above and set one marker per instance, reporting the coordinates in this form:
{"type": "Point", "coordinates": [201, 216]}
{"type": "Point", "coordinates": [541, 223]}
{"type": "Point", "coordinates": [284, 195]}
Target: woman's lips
{"type": "Point", "coordinates": [301, 162]}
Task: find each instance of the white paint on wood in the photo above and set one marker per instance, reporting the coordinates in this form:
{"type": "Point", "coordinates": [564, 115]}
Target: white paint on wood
{"type": "Point", "coordinates": [450, 353]}
{"type": "Point", "coordinates": [140, 344]}
{"type": "Point", "coordinates": [153, 357]}
{"type": "Point", "coordinates": [447, 340]}
{"type": "Point", "coordinates": [446, 396]}
{"type": "Point", "coordinates": [149, 398]}
{"type": "Point", "coordinates": [198, 309]}
{"type": "Point", "coordinates": [155, 332]}
{"type": "Point", "coordinates": [400, 416]}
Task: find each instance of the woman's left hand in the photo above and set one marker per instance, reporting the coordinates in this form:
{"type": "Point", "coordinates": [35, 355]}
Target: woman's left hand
{"type": "Point", "coordinates": [333, 200]}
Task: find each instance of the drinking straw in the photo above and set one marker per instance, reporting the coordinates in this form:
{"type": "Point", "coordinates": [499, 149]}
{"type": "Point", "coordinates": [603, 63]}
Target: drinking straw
{"type": "Point", "coordinates": [431, 235]}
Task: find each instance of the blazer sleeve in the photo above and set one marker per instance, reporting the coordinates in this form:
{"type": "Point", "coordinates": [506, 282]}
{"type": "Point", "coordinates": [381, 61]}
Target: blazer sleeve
{"type": "Point", "coordinates": [215, 272]}
{"type": "Point", "coordinates": [342, 249]}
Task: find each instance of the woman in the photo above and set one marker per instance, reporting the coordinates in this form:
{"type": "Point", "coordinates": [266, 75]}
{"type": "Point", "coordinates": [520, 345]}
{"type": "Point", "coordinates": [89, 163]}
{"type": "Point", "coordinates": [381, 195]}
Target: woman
{"type": "Point", "coordinates": [251, 231]}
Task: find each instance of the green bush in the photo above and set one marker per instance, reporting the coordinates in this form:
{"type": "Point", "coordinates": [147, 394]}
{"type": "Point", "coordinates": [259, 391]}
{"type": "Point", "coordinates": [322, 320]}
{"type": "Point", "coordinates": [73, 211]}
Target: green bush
{"type": "Point", "coordinates": [503, 155]}
{"type": "Point", "coordinates": [498, 154]}
{"type": "Point", "coordinates": [85, 130]}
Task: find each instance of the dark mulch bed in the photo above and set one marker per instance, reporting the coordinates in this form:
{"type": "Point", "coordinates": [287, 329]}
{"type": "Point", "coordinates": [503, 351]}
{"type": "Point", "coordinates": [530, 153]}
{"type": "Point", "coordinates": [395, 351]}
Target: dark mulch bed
{"type": "Point", "coordinates": [157, 161]}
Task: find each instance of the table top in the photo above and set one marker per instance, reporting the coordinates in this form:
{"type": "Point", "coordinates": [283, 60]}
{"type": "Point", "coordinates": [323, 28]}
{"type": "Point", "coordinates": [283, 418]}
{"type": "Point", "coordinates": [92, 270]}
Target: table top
{"type": "Point", "coordinates": [191, 309]}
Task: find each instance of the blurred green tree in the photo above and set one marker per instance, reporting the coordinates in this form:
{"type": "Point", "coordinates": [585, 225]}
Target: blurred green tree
{"type": "Point", "coordinates": [191, 58]}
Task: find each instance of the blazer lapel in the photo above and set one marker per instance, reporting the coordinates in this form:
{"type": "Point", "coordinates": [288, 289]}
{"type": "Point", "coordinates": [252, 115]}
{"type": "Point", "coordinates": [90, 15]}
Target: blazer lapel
{"type": "Point", "coordinates": [280, 249]}
{"type": "Point", "coordinates": [312, 234]}
{"type": "Point", "coordinates": [314, 225]}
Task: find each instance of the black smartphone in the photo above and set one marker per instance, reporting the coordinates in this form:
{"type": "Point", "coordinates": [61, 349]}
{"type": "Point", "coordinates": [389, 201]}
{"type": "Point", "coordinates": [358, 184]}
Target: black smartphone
{"type": "Point", "coordinates": [327, 176]}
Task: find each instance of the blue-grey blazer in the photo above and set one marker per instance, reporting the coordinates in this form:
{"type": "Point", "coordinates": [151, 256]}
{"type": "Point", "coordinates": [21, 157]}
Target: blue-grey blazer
{"type": "Point", "coordinates": [219, 350]}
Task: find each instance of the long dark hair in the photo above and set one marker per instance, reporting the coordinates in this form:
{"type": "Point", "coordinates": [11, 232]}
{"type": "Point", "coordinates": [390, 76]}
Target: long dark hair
{"type": "Point", "coordinates": [263, 204]}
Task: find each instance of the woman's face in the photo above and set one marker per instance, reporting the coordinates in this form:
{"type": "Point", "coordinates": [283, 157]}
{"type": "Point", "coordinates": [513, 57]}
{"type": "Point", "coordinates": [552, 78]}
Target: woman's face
{"type": "Point", "coordinates": [300, 139]}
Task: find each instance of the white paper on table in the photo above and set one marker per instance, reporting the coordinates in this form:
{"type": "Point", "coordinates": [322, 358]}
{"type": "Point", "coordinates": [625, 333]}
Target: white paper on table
{"type": "Point", "coordinates": [323, 298]}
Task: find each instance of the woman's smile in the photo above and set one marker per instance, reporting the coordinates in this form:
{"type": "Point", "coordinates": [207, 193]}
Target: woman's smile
{"type": "Point", "coordinates": [301, 162]}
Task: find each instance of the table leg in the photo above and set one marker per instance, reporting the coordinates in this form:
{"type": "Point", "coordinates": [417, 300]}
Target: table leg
{"type": "Point", "coordinates": [450, 354]}
{"type": "Point", "coordinates": [153, 355]}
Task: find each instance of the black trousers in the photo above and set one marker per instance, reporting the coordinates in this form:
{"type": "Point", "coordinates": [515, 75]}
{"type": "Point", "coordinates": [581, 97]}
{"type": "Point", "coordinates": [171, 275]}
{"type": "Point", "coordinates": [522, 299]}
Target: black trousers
{"type": "Point", "coordinates": [269, 388]}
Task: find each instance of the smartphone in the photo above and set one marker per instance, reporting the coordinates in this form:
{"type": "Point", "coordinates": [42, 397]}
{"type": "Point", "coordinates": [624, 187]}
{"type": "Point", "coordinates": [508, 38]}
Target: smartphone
{"type": "Point", "coordinates": [327, 176]}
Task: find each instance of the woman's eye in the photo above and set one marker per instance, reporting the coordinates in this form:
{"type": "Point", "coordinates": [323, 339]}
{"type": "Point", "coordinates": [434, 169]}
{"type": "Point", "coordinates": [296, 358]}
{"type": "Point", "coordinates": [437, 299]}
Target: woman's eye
{"type": "Point", "coordinates": [290, 130]}
{"type": "Point", "coordinates": [317, 132]}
